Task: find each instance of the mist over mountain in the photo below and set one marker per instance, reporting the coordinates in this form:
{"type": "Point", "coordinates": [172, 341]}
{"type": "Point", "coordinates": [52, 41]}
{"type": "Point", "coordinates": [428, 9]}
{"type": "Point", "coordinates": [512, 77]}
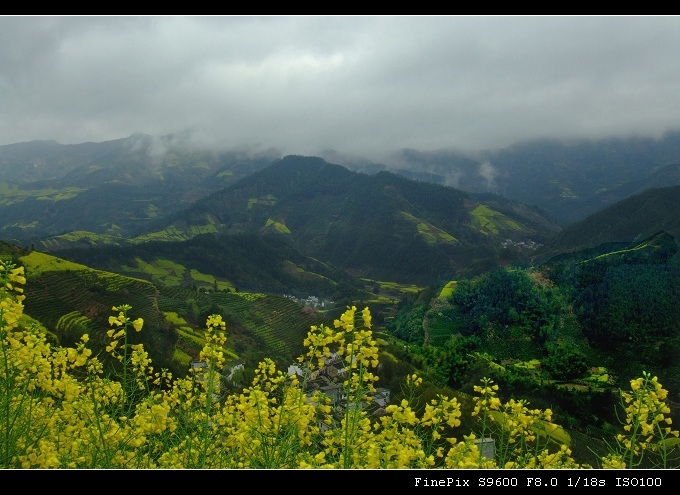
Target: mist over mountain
{"type": "Point", "coordinates": [114, 188]}
{"type": "Point", "coordinates": [569, 179]}
{"type": "Point", "coordinates": [120, 187]}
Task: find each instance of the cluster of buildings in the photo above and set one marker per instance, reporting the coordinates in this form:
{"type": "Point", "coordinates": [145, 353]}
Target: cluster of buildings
{"type": "Point", "coordinates": [521, 244]}
{"type": "Point", "coordinates": [329, 380]}
{"type": "Point", "coordinates": [311, 301]}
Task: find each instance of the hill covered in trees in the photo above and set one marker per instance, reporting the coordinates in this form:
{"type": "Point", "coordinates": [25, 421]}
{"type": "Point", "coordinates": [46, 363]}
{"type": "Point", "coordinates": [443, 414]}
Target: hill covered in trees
{"type": "Point", "coordinates": [382, 226]}
{"type": "Point", "coordinates": [568, 332]}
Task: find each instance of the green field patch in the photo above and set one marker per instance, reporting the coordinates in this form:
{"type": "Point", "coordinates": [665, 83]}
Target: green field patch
{"type": "Point", "coordinates": [387, 355]}
{"type": "Point", "coordinates": [181, 357]}
{"type": "Point", "coordinates": [188, 335]}
{"type": "Point", "coordinates": [80, 237]}
{"type": "Point", "coordinates": [294, 270]}
{"type": "Point", "coordinates": [171, 274]}
{"type": "Point", "coordinates": [202, 277]}
{"type": "Point", "coordinates": [394, 286]}
{"type": "Point", "coordinates": [172, 233]}
{"type": "Point", "coordinates": [203, 229]}
{"type": "Point", "coordinates": [152, 211]}
{"type": "Point", "coordinates": [431, 234]}
{"type": "Point", "coordinates": [161, 271]}
{"type": "Point", "coordinates": [37, 263]}
{"type": "Point", "coordinates": [206, 278]}
{"type": "Point", "coordinates": [73, 324]}
{"type": "Point", "coordinates": [447, 290]}
{"type": "Point", "coordinates": [13, 193]}
{"type": "Point", "coordinates": [250, 296]}
{"type": "Point", "coordinates": [174, 319]}
{"type": "Point", "coordinates": [532, 364]}
{"type": "Point", "coordinates": [113, 230]}
{"type": "Point", "coordinates": [25, 225]}
{"type": "Point", "coordinates": [599, 376]}
{"type": "Point", "coordinates": [268, 200]}
{"type": "Point", "coordinates": [488, 221]}
{"type": "Point", "coordinates": [639, 247]}
{"type": "Point", "coordinates": [171, 267]}
{"type": "Point", "coordinates": [379, 299]}
{"type": "Point", "coordinates": [225, 285]}
{"type": "Point", "coordinates": [277, 227]}
{"type": "Point", "coordinates": [226, 173]}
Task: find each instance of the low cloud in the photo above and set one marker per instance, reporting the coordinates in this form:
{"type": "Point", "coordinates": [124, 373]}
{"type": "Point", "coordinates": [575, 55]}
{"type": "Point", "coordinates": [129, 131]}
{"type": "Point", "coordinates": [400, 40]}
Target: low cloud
{"type": "Point", "coordinates": [489, 173]}
{"type": "Point", "coordinates": [363, 86]}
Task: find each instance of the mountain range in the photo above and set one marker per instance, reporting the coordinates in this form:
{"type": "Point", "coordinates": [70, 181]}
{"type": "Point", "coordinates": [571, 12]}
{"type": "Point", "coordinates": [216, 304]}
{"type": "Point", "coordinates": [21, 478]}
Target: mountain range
{"type": "Point", "coordinates": [181, 232]}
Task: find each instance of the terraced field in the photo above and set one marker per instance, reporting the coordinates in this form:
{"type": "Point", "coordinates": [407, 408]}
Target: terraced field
{"type": "Point", "coordinates": [488, 221]}
{"type": "Point", "coordinates": [276, 227]}
{"type": "Point", "coordinates": [447, 290]}
{"type": "Point", "coordinates": [431, 234]}
{"type": "Point", "coordinates": [13, 193]}
{"type": "Point", "coordinates": [174, 233]}
{"type": "Point", "coordinates": [73, 299]}
{"type": "Point", "coordinates": [169, 273]}
{"type": "Point", "coordinates": [80, 237]}
{"type": "Point", "coordinates": [281, 324]}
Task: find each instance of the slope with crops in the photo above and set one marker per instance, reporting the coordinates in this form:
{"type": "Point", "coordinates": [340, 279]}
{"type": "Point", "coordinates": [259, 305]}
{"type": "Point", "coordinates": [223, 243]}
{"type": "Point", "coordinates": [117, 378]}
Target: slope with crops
{"type": "Point", "coordinates": [61, 410]}
{"type": "Point", "coordinates": [102, 193]}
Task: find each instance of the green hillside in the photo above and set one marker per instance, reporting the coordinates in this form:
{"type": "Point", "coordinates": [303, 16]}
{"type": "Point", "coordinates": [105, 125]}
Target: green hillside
{"type": "Point", "coordinates": [107, 191]}
{"type": "Point", "coordinates": [72, 299]}
{"type": "Point", "coordinates": [245, 262]}
{"type": "Point", "coordinates": [632, 219]}
{"type": "Point", "coordinates": [567, 332]}
{"type": "Point", "coordinates": [382, 226]}
{"type": "Point", "coordinates": [568, 179]}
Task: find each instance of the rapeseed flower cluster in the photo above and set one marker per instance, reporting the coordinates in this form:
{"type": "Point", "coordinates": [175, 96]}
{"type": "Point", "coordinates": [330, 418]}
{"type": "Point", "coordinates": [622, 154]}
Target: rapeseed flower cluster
{"type": "Point", "coordinates": [521, 435]}
{"type": "Point", "coordinates": [58, 408]}
{"type": "Point", "coordinates": [647, 431]}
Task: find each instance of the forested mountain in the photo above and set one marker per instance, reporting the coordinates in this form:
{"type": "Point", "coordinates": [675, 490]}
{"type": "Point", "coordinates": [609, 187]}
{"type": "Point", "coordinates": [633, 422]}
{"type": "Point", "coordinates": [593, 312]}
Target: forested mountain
{"type": "Point", "coordinates": [569, 180]}
{"type": "Point", "coordinates": [111, 189]}
{"type": "Point", "coordinates": [382, 226]}
{"type": "Point", "coordinates": [566, 333]}
{"type": "Point", "coordinates": [116, 189]}
{"type": "Point", "coordinates": [634, 218]}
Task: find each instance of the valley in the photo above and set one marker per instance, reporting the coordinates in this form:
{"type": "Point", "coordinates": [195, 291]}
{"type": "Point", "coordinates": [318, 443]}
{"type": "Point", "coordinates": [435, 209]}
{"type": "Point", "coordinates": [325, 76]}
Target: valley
{"type": "Point", "coordinates": [460, 283]}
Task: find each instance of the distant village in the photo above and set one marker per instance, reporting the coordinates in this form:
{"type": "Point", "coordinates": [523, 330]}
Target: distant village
{"type": "Point", "coordinates": [531, 245]}
{"type": "Point", "coordinates": [311, 301]}
{"type": "Point", "coordinates": [327, 379]}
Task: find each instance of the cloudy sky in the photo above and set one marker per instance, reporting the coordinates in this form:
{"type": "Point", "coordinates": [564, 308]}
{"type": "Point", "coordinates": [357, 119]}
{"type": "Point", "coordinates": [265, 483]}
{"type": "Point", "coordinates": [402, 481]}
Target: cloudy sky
{"type": "Point", "coordinates": [358, 85]}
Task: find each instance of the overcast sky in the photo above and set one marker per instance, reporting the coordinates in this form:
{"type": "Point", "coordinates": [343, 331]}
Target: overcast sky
{"type": "Point", "coordinates": [358, 85]}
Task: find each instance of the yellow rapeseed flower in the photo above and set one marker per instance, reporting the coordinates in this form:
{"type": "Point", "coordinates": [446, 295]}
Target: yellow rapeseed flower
{"type": "Point", "coordinates": [137, 324]}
